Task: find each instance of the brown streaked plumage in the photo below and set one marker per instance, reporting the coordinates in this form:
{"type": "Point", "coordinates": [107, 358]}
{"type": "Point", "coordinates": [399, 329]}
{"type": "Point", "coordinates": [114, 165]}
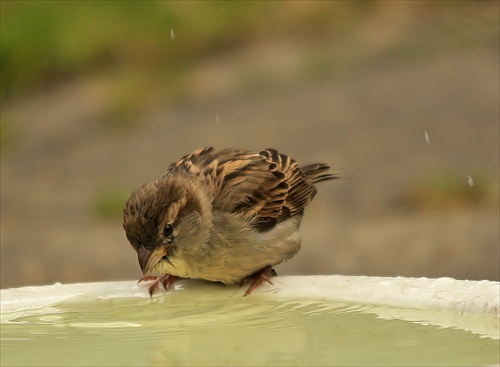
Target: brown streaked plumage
{"type": "Point", "coordinates": [221, 215]}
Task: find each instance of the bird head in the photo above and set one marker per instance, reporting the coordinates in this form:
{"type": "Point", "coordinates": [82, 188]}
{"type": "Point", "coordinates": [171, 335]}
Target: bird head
{"type": "Point", "coordinates": [166, 222]}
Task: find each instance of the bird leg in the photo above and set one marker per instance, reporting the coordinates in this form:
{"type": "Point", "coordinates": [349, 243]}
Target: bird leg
{"type": "Point", "coordinates": [261, 276]}
{"type": "Point", "coordinates": [165, 279]}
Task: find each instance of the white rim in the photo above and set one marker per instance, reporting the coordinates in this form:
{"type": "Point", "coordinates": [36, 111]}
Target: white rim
{"type": "Point", "coordinates": [465, 303]}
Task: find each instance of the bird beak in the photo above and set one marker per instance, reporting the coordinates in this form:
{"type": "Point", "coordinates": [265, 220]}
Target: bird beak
{"type": "Point", "coordinates": [148, 259]}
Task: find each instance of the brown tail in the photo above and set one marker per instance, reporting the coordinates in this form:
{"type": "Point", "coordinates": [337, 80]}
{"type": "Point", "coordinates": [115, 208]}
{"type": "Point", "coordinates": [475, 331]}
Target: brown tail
{"type": "Point", "coordinates": [319, 172]}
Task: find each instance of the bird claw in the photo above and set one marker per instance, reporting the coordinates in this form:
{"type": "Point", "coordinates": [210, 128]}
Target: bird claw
{"type": "Point", "coordinates": [166, 280]}
{"type": "Point", "coordinates": [263, 275]}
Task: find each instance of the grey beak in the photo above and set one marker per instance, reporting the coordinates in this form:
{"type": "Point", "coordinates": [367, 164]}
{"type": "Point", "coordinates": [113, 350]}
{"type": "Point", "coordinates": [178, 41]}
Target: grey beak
{"type": "Point", "coordinates": [143, 254]}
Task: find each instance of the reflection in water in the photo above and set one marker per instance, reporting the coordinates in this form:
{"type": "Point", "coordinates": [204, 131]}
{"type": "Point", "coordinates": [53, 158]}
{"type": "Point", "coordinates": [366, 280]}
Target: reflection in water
{"type": "Point", "coordinates": [172, 330]}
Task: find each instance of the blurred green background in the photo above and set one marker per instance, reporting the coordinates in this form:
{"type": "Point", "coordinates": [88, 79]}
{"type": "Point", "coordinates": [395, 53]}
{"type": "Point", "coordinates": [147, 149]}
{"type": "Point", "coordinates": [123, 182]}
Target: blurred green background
{"type": "Point", "coordinates": [99, 97]}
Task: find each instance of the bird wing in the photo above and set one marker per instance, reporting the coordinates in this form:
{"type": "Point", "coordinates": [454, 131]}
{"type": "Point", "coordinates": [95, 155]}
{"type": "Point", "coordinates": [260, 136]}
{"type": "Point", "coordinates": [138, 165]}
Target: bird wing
{"type": "Point", "coordinates": [265, 188]}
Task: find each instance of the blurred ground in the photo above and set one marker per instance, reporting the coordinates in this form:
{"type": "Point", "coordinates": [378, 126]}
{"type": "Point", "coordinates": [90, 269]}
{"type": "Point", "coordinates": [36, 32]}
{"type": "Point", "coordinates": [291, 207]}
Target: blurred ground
{"type": "Point", "coordinates": [407, 106]}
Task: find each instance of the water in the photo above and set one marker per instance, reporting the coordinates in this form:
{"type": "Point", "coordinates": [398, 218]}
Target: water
{"type": "Point", "coordinates": [172, 329]}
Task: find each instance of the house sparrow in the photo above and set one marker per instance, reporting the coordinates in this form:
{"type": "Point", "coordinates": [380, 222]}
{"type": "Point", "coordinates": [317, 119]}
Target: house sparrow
{"type": "Point", "coordinates": [222, 215]}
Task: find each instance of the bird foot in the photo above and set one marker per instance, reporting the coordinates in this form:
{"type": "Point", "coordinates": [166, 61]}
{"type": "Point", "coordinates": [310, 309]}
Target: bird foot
{"type": "Point", "coordinates": [166, 280]}
{"type": "Point", "coordinates": [263, 275]}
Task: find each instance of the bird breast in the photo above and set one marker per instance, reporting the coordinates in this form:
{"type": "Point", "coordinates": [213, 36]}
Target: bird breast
{"type": "Point", "coordinates": [236, 250]}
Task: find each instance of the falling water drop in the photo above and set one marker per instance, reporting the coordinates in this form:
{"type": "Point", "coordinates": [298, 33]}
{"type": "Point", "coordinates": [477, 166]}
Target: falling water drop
{"type": "Point", "coordinates": [470, 181]}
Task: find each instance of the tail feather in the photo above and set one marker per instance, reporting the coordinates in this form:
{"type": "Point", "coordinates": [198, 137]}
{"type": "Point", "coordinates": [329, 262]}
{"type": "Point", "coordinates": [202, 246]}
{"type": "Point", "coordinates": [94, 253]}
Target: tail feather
{"type": "Point", "coordinates": [319, 172]}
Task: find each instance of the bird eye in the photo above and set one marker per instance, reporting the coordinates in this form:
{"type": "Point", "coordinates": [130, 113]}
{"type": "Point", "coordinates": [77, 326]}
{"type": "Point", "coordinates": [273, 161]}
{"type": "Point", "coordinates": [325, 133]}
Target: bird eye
{"type": "Point", "coordinates": [168, 230]}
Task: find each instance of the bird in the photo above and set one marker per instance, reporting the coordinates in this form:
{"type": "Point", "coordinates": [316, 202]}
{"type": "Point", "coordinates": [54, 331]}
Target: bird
{"type": "Point", "coordinates": [228, 216]}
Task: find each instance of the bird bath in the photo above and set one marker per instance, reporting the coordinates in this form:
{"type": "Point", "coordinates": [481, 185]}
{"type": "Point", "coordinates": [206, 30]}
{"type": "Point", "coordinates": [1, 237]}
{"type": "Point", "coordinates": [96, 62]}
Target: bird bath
{"type": "Point", "coordinates": [300, 320]}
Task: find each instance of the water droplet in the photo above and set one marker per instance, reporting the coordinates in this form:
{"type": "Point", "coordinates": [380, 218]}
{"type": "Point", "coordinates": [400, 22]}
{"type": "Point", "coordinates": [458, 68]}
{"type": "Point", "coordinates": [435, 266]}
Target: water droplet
{"type": "Point", "coordinates": [426, 136]}
{"type": "Point", "coordinates": [470, 181]}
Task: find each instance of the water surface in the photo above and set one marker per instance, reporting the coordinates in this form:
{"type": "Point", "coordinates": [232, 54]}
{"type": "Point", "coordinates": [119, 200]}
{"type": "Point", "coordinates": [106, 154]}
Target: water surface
{"type": "Point", "coordinates": [172, 329]}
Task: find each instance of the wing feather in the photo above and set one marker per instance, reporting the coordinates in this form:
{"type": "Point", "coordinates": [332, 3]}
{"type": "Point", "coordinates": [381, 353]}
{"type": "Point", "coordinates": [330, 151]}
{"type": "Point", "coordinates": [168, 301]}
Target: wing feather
{"type": "Point", "coordinates": [264, 188]}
